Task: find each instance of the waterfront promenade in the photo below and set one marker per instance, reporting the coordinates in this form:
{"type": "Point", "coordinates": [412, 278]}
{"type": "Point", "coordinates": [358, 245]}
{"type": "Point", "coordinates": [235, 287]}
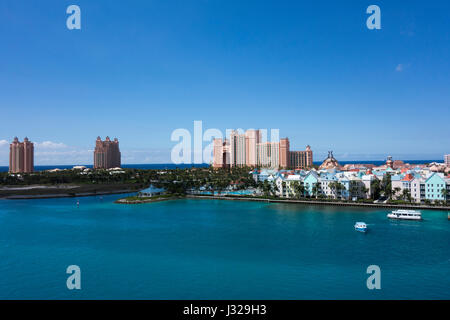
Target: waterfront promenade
{"type": "Point", "coordinates": [319, 202]}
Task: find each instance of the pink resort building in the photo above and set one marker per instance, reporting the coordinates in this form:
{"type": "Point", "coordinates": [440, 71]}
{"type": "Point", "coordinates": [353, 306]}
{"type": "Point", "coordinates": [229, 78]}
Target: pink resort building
{"type": "Point", "coordinates": [21, 156]}
{"type": "Point", "coordinates": [106, 154]}
{"type": "Point", "coordinates": [221, 153]}
{"type": "Point", "coordinates": [248, 149]}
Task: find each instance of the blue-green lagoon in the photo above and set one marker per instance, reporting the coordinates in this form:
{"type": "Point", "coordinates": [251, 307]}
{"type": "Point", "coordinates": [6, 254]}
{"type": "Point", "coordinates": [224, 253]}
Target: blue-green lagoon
{"type": "Point", "coordinates": [213, 249]}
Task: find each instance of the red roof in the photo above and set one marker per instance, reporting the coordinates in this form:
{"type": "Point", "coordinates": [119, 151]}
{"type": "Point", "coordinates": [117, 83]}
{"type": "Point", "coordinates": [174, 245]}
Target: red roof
{"type": "Point", "coordinates": [408, 177]}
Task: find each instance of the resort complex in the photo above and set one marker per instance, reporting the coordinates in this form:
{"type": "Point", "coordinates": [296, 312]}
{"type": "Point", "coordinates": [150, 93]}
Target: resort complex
{"type": "Point", "coordinates": [249, 150]}
{"type": "Point", "coordinates": [394, 180]}
{"type": "Point", "coordinates": [268, 168]}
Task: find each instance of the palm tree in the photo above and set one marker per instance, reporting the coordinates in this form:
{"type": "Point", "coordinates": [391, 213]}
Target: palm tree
{"type": "Point", "coordinates": [336, 186]}
{"type": "Point", "coordinates": [444, 193]}
{"type": "Point", "coordinates": [274, 188]}
{"type": "Point", "coordinates": [332, 186]}
{"type": "Point", "coordinates": [316, 189]}
{"type": "Point", "coordinates": [406, 194]}
{"type": "Point", "coordinates": [267, 187]}
{"type": "Point", "coordinates": [299, 189]}
{"type": "Point", "coordinates": [364, 191]}
{"type": "Point", "coordinates": [341, 187]}
{"type": "Point", "coordinates": [387, 185]}
{"type": "Point", "coordinates": [375, 189]}
{"type": "Point", "coordinates": [354, 188]}
{"type": "Point", "coordinates": [397, 190]}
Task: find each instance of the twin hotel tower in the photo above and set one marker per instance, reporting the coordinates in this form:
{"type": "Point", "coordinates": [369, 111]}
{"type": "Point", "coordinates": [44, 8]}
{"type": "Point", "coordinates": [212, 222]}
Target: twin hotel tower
{"type": "Point", "coordinates": [21, 155]}
{"type": "Point", "coordinates": [239, 150]}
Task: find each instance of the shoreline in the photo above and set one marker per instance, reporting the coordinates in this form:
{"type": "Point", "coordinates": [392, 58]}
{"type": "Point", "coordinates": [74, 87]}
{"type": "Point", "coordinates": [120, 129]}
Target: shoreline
{"type": "Point", "coordinates": [64, 195]}
{"type": "Point", "coordinates": [318, 202]}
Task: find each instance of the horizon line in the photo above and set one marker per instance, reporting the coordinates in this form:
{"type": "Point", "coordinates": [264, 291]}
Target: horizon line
{"type": "Point", "coordinates": [186, 164]}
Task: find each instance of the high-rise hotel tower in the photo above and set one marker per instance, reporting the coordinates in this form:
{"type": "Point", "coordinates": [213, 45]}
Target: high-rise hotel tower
{"type": "Point", "coordinates": [21, 156]}
{"type": "Point", "coordinates": [248, 149]}
{"type": "Point", "coordinates": [106, 153]}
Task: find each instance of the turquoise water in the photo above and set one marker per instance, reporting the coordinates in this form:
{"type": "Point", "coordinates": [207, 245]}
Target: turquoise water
{"type": "Point", "coordinates": [203, 165]}
{"type": "Point", "coordinates": [212, 249]}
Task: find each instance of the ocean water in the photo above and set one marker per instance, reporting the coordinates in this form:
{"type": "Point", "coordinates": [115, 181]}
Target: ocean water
{"type": "Point", "coordinates": [161, 166]}
{"type": "Point", "coordinates": [158, 166]}
{"type": "Point", "coordinates": [213, 249]}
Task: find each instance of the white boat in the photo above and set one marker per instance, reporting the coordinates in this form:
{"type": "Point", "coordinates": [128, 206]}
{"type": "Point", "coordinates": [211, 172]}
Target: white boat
{"type": "Point", "coordinates": [361, 226]}
{"type": "Point", "coordinates": [405, 214]}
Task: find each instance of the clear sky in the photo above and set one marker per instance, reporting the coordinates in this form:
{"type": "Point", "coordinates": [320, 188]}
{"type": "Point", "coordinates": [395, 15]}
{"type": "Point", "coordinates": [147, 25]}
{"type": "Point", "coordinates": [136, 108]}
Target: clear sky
{"type": "Point", "coordinates": [138, 70]}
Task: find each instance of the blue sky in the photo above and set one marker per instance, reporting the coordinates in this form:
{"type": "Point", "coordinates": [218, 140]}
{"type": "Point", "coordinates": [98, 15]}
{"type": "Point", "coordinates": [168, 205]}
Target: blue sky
{"type": "Point", "coordinates": [138, 70]}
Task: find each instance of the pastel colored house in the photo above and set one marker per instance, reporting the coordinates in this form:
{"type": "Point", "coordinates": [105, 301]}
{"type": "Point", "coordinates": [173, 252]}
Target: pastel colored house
{"type": "Point", "coordinates": [345, 192]}
{"type": "Point", "coordinates": [291, 180]}
{"type": "Point", "coordinates": [325, 179]}
{"type": "Point", "coordinates": [396, 183]}
{"type": "Point", "coordinates": [400, 183]}
{"type": "Point", "coordinates": [418, 189]}
{"type": "Point", "coordinates": [433, 187]}
{"type": "Point", "coordinates": [310, 180]}
{"type": "Point", "coordinates": [367, 181]}
{"type": "Point", "coordinates": [357, 188]}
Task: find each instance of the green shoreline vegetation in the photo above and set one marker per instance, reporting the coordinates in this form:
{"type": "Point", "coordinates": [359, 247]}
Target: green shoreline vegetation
{"type": "Point", "coordinates": [177, 182]}
{"type": "Point", "coordinates": [138, 199]}
{"type": "Point", "coordinates": [75, 182]}
{"type": "Point", "coordinates": [67, 183]}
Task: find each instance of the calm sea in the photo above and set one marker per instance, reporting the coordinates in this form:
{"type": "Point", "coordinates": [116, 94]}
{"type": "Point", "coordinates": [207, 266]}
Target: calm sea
{"type": "Point", "coordinates": [212, 249]}
{"type": "Point", "coordinates": [174, 166]}
{"type": "Point", "coordinates": [159, 166]}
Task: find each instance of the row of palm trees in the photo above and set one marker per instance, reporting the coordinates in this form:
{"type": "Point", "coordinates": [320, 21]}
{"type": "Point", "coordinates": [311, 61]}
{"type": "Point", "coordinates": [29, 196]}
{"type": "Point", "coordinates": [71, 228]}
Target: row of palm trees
{"type": "Point", "coordinates": [300, 191]}
{"type": "Point", "coordinates": [406, 194]}
{"type": "Point", "coordinates": [68, 176]}
{"type": "Point", "coordinates": [208, 179]}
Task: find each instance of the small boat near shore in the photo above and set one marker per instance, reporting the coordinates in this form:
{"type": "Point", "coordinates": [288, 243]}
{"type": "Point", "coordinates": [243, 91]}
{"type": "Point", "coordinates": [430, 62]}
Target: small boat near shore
{"type": "Point", "coordinates": [405, 214]}
{"type": "Point", "coordinates": [361, 226]}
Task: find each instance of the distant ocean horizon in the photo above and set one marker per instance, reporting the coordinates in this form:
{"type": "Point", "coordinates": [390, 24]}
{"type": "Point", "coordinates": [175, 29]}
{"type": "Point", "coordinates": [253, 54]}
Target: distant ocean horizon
{"type": "Point", "coordinates": [161, 166]}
